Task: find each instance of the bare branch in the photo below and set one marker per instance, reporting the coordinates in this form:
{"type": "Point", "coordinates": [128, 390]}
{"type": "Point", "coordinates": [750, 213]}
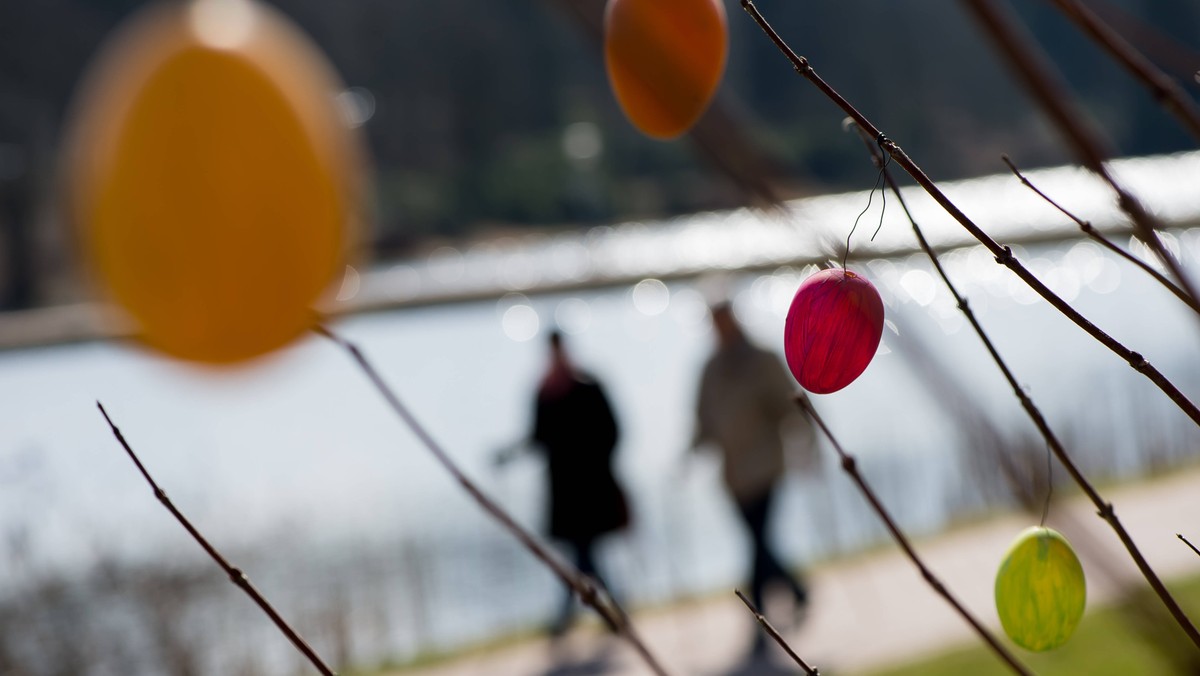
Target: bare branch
{"type": "Point", "coordinates": [1103, 508]}
{"type": "Point", "coordinates": [1004, 255]}
{"type": "Point", "coordinates": [1188, 543]}
{"type": "Point", "coordinates": [766, 625]}
{"type": "Point", "coordinates": [591, 593]}
{"type": "Point", "coordinates": [1042, 81]}
{"type": "Point", "coordinates": [850, 466]}
{"type": "Point", "coordinates": [1096, 236]}
{"type": "Point", "coordinates": [235, 574]}
{"type": "Point", "coordinates": [1162, 87]}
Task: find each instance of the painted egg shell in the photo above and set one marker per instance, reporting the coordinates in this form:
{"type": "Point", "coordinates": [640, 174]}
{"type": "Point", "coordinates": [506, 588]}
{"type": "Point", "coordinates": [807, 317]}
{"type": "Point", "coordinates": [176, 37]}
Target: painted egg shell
{"type": "Point", "coordinates": [212, 178]}
{"type": "Point", "coordinates": [665, 59]}
{"type": "Point", "coordinates": [1040, 590]}
{"type": "Point", "coordinates": [833, 329]}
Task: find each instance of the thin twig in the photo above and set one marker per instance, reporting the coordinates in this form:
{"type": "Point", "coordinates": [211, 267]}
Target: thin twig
{"type": "Point", "coordinates": [986, 440]}
{"type": "Point", "coordinates": [766, 625]}
{"type": "Point", "coordinates": [960, 301]}
{"type": "Point", "coordinates": [1003, 254]}
{"type": "Point", "coordinates": [235, 574]}
{"type": "Point", "coordinates": [1049, 488]}
{"type": "Point", "coordinates": [589, 591]}
{"type": "Point", "coordinates": [1188, 543]}
{"type": "Point", "coordinates": [850, 466]}
{"type": "Point", "coordinates": [1096, 236]}
{"type": "Point", "coordinates": [1103, 508]}
{"type": "Point", "coordinates": [1042, 81]}
{"type": "Point", "coordinates": [1164, 88]}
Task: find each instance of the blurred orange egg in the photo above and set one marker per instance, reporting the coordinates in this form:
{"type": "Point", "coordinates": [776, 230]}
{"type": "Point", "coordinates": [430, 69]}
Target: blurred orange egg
{"type": "Point", "coordinates": [213, 180]}
{"type": "Point", "coordinates": [665, 59]}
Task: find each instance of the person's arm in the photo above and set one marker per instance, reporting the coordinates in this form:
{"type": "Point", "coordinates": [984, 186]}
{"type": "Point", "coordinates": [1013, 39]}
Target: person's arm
{"type": "Point", "coordinates": [607, 431]}
{"type": "Point", "coordinates": [780, 392]}
{"type": "Point", "coordinates": [540, 424]}
{"type": "Point", "coordinates": [702, 433]}
{"type": "Point", "coordinates": [511, 451]}
{"type": "Point", "coordinates": [777, 388]}
{"type": "Point", "coordinates": [534, 441]}
{"type": "Point", "coordinates": [531, 442]}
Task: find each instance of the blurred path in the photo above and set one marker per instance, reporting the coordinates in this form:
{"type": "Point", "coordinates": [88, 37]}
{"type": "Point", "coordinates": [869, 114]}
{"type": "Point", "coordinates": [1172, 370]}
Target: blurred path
{"type": "Point", "coordinates": [874, 609]}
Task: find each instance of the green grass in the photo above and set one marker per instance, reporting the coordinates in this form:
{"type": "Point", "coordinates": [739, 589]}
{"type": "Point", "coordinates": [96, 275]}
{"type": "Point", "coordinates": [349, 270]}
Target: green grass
{"type": "Point", "coordinates": [435, 657]}
{"type": "Point", "coordinates": [1116, 639]}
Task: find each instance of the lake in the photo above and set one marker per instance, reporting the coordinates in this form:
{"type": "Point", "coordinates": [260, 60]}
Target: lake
{"type": "Point", "coordinates": [298, 470]}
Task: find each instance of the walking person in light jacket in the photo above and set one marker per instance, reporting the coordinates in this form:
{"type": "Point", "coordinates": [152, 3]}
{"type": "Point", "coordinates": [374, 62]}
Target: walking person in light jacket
{"type": "Point", "coordinates": [744, 401]}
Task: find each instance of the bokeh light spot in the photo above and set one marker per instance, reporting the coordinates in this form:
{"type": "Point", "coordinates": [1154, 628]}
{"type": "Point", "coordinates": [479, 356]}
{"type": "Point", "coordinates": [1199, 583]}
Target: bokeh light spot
{"type": "Point", "coordinates": [222, 24]}
{"type": "Point", "coordinates": [520, 323]}
{"type": "Point", "coordinates": [651, 297]}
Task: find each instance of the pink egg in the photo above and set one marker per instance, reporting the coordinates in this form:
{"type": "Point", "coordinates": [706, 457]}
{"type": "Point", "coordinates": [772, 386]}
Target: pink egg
{"type": "Point", "coordinates": [832, 331]}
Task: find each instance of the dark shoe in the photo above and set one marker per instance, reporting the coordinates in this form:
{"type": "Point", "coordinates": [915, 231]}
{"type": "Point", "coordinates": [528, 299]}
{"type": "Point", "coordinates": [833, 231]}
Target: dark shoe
{"type": "Point", "coordinates": [799, 615]}
{"type": "Point", "coordinates": [799, 604]}
{"type": "Point", "coordinates": [799, 591]}
{"type": "Point", "coordinates": [759, 651]}
{"type": "Point", "coordinates": [561, 626]}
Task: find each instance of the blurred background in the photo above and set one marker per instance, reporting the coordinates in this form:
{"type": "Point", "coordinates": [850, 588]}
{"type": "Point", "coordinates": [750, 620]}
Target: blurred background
{"type": "Point", "coordinates": [488, 119]}
{"type": "Point", "coordinates": [511, 196]}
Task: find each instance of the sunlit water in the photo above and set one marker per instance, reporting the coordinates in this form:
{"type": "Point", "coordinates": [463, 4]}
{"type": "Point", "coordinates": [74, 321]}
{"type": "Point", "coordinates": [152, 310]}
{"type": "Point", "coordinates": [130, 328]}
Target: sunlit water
{"type": "Point", "coordinates": [301, 472]}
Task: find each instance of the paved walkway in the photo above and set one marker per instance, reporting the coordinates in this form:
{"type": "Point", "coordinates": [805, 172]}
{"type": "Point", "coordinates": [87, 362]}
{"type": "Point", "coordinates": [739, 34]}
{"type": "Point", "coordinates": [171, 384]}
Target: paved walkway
{"type": "Point", "coordinates": [873, 610]}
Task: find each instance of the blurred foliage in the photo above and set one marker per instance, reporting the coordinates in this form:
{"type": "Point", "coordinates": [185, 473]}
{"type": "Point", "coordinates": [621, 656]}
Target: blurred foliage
{"type": "Point", "coordinates": [472, 97]}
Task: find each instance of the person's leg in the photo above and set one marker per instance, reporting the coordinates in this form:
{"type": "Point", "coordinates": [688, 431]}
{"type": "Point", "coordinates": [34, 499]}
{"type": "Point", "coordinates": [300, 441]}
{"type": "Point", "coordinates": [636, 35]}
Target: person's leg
{"type": "Point", "coordinates": [566, 612]}
{"type": "Point", "coordinates": [582, 554]}
{"type": "Point", "coordinates": [585, 557]}
{"type": "Point", "coordinates": [775, 568]}
{"type": "Point", "coordinates": [587, 565]}
{"type": "Point", "coordinates": [766, 565]}
{"type": "Point", "coordinates": [754, 514]}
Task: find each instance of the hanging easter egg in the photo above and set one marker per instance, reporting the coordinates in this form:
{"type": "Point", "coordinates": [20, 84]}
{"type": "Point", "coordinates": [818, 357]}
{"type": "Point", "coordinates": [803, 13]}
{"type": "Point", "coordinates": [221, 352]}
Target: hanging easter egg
{"type": "Point", "coordinates": [833, 329]}
{"type": "Point", "coordinates": [665, 59]}
{"type": "Point", "coordinates": [1040, 590]}
{"type": "Point", "coordinates": [212, 178]}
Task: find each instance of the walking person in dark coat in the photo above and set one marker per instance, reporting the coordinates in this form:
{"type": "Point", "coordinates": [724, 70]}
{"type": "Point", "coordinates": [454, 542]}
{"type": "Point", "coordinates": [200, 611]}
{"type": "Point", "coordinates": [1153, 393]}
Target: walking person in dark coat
{"type": "Point", "coordinates": [575, 428]}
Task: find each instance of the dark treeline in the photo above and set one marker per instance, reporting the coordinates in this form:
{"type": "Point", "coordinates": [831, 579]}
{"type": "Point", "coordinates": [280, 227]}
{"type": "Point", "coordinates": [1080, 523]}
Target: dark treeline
{"type": "Point", "coordinates": [473, 99]}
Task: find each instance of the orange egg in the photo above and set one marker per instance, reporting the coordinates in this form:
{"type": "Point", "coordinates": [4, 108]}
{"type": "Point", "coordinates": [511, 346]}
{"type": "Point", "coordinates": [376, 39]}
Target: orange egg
{"type": "Point", "coordinates": [665, 59]}
{"type": "Point", "coordinates": [212, 178]}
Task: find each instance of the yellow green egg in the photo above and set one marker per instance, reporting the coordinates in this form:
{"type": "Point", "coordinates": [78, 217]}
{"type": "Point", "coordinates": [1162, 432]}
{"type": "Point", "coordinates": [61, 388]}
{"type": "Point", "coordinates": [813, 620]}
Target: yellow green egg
{"type": "Point", "coordinates": [1040, 590]}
